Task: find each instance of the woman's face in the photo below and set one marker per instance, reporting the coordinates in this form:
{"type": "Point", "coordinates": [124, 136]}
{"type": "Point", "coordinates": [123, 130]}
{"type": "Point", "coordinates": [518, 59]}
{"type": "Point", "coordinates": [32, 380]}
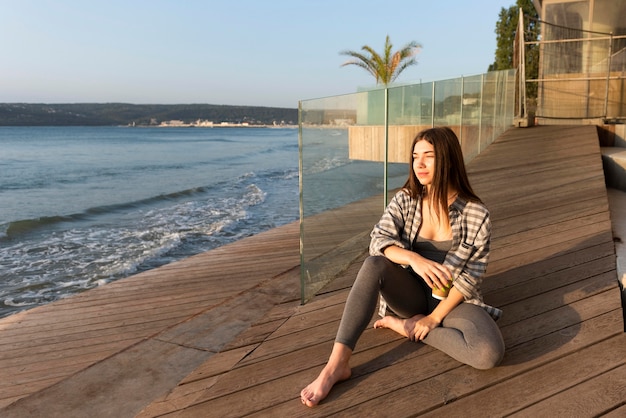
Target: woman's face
{"type": "Point", "coordinates": [424, 162]}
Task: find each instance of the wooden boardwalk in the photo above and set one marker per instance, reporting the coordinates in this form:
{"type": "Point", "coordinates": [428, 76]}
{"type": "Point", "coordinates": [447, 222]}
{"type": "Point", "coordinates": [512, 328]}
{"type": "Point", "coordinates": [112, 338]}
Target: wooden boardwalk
{"type": "Point", "coordinates": [223, 334]}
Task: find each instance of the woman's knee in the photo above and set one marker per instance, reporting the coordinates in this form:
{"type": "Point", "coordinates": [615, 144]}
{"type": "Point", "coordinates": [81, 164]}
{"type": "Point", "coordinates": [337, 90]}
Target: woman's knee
{"type": "Point", "coordinates": [374, 267]}
{"type": "Point", "coordinates": [369, 276]}
{"type": "Point", "coordinates": [482, 335]}
{"type": "Point", "coordinates": [376, 263]}
{"type": "Point", "coordinates": [488, 356]}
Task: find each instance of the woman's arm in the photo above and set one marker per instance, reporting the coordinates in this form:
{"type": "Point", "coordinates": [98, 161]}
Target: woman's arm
{"type": "Point", "coordinates": [433, 273]}
{"type": "Point", "coordinates": [469, 263]}
{"type": "Point", "coordinates": [394, 226]}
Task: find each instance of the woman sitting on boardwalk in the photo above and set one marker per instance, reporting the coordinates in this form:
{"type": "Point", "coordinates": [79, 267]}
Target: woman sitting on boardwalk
{"type": "Point", "coordinates": [435, 230]}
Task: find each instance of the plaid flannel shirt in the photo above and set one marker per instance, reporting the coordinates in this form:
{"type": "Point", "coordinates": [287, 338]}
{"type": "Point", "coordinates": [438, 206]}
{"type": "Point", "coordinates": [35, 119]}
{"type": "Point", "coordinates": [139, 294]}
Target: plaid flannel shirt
{"type": "Point", "coordinates": [466, 260]}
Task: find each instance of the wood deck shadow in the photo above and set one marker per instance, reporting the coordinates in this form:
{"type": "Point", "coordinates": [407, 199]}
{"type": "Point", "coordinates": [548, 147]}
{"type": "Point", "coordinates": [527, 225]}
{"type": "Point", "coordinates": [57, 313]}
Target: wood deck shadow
{"type": "Point", "coordinates": [401, 351]}
{"type": "Point", "coordinates": [545, 302]}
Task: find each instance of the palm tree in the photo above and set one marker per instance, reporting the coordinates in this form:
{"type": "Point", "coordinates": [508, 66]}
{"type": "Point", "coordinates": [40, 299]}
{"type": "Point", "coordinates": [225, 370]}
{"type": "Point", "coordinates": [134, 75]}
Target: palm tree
{"type": "Point", "coordinates": [388, 66]}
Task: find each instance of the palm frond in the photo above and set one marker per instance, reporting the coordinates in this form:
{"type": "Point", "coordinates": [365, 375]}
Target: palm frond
{"type": "Point", "coordinates": [385, 67]}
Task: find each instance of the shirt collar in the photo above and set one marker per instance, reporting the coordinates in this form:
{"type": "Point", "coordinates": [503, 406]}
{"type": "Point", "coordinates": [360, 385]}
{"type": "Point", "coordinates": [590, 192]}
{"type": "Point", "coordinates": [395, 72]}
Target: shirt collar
{"type": "Point", "coordinates": [458, 204]}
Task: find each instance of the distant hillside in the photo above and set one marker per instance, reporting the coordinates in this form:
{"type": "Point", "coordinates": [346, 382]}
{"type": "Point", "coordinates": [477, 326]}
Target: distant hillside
{"type": "Point", "coordinates": [105, 114]}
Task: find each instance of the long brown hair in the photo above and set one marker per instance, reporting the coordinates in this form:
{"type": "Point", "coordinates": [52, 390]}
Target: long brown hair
{"type": "Point", "coordinates": [449, 172]}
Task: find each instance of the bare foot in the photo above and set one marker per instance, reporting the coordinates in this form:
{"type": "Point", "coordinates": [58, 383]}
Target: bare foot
{"type": "Point", "coordinates": [399, 325]}
{"type": "Point", "coordinates": [320, 387]}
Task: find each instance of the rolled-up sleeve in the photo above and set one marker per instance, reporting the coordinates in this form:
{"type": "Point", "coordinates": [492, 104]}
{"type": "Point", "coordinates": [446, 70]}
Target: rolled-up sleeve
{"type": "Point", "coordinates": [392, 229]}
{"type": "Point", "coordinates": [469, 262]}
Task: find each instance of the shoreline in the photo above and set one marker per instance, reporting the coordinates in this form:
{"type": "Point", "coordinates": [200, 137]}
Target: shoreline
{"type": "Point", "coordinates": [221, 125]}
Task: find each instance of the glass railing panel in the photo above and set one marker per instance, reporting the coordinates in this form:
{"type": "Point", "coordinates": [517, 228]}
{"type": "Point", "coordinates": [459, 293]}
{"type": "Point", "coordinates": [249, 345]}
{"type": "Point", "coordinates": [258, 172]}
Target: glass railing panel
{"type": "Point", "coordinates": [470, 116]}
{"type": "Point", "coordinates": [427, 99]}
{"type": "Point", "coordinates": [411, 104]}
{"type": "Point", "coordinates": [503, 83]}
{"type": "Point", "coordinates": [448, 104]}
{"type": "Point", "coordinates": [371, 107]}
{"type": "Point", "coordinates": [333, 184]}
{"type": "Point", "coordinates": [409, 113]}
{"type": "Point", "coordinates": [488, 109]}
{"type": "Point", "coordinates": [508, 110]}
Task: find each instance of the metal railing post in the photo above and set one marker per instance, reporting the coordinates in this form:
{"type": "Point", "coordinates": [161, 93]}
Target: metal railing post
{"type": "Point", "coordinates": [301, 202]}
{"type": "Point", "coordinates": [480, 111]}
{"type": "Point", "coordinates": [386, 157]}
{"type": "Point", "coordinates": [432, 111]}
{"type": "Point", "coordinates": [521, 67]}
{"type": "Point", "coordinates": [608, 77]}
{"type": "Point", "coordinates": [461, 116]}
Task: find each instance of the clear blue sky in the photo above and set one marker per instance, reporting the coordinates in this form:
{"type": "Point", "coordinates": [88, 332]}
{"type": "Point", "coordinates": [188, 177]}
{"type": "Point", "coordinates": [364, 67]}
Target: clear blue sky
{"type": "Point", "coordinates": [234, 52]}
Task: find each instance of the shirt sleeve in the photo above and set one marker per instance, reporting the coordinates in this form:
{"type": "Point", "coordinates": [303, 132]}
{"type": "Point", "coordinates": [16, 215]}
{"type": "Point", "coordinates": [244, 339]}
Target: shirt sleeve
{"type": "Point", "coordinates": [469, 263]}
{"type": "Point", "coordinates": [391, 229]}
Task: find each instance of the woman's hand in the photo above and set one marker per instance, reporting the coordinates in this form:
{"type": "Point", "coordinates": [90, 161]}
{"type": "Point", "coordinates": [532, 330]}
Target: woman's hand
{"type": "Point", "coordinates": [433, 273]}
{"type": "Point", "coordinates": [418, 327]}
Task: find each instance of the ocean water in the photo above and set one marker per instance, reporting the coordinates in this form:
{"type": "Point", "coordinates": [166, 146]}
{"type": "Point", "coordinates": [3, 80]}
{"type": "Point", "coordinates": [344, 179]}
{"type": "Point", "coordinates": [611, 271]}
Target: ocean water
{"type": "Point", "coordinates": [84, 206]}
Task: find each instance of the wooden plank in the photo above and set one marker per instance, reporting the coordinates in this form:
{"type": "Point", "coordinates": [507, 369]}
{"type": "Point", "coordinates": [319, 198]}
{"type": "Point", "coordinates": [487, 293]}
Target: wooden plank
{"type": "Point", "coordinates": [265, 395]}
{"type": "Point", "coordinates": [196, 384]}
{"type": "Point", "coordinates": [548, 215]}
{"type": "Point", "coordinates": [524, 285]}
{"type": "Point", "coordinates": [591, 398]}
{"type": "Point", "coordinates": [519, 393]}
{"type": "Point", "coordinates": [590, 250]}
{"type": "Point", "coordinates": [618, 412]}
{"type": "Point", "coordinates": [555, 298]}
{"type": "Point", "coordinates": [565, 316]}
{"type": "Point", "coordinates": [407, 398]}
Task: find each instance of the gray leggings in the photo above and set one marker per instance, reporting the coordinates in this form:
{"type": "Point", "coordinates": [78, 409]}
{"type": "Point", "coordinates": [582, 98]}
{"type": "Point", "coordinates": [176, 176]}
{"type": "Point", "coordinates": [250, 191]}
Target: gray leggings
{"type": "Point", "coordinates": [467, 334]}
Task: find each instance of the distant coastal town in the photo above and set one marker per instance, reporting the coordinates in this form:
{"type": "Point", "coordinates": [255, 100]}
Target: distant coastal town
{"type": "Point", "coordinates": [203, 123]}
{"type": "Point", "coordinates": [124, 114]}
